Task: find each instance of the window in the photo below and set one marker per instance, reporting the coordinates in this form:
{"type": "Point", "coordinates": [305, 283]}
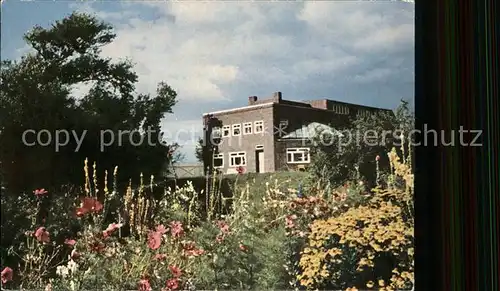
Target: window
{"type": "Point", "coordinates": [259, 126]}
{"type": "Point", "coordinates": [236, 129]}
{"type": "Point", "coordinates": [340, 109]}
{"type": "Point", "coordinates": [226, 130]}
{"type": "Point", "coordinates": [364, 113]}
{"type": "Point", "coordinates": [218, 160]}
{"type": "Point", "coordinates": [247, 128]}
{"type": "Point", "coordinates": [298, 155]}
{"type": "Point", "coordinates": [216, 132]}
{"type": "Point", "coordinates": [237, 159]}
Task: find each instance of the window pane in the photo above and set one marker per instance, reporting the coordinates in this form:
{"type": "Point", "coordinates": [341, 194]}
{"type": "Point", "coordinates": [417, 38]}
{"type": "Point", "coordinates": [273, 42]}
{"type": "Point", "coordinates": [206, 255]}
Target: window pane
{"type": "Point", "coordinates": [217, 162]}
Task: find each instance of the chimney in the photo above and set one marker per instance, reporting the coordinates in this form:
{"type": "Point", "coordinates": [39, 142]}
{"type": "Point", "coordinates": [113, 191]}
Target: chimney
{"type": "Point", "coordinates": [252, 100]}
{"type": "Point", "coordinates": [277, 97]}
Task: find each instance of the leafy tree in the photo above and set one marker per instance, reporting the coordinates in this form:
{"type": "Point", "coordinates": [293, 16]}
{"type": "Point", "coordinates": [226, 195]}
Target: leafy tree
{"type": "Point", "coordinates": [36, 93]}
{"type": "Point", "coordinates": [351, 155]}
{"type": "Point", "coordinates": [199, 150]}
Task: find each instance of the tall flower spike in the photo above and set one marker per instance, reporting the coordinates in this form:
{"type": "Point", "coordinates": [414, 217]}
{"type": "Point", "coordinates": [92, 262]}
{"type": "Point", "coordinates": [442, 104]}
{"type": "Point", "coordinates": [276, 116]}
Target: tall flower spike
{"type": "Point", "coordinates": [152, 182]}
{"type": "Point", "coordinates": [141, 186]}
{"type": "Point", "coordinates": [86, 171]}
{"type": "Point", "coordinates": [402, 136]}
{"type": "Point", "coordinates": [106, 190]}
{"type": "Point", "coordinates": [94, 176]}
{"type": "Point", "coordinates": [115, 180]}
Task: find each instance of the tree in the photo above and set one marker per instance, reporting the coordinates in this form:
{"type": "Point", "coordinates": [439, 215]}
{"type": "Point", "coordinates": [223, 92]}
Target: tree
{"type": "Point", "coordinates": [36, 94]}
{"type": "Point", "coordinates": [351, 156]}
{"type": "Point", "coordinates": [199, 150]}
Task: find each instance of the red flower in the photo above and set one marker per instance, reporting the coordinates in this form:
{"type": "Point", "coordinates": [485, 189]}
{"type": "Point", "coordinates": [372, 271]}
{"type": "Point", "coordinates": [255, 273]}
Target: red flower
{"type": "Point", "coordinates": [377, 158]}
{"type": "Point", "coordinates": [75, 255]}
{"type": "Point", "coordinates": [190, 250]}
{"type": "Point", "coordinates": [89, 204]}
{"type": "Point", "coordinates": [172, 284]}
{"type": "Point", "coordinates": [160, 257]}
{"type": "Point", "coordinates": [176, 272]}
{"type": "Point", "coordinates": [161, 229]}
{"type": "Point", "coordinates": [42, 235]}
{"type": "Point", "coordinates": [144, 285]}
{"type": "Point", "coordinates": [289, 221]}
{"type": "Point", "coordinates": [223, 226]}
{"type": "Point", "coordinates": [154, 240]}
{"type": "Point", "coordinates": [111, 228]}
{"type": "Point", "coordinates": [70, 242]}
{"type": "Point", "coordinates": [7, 274]}
{"type": "Point", "coordinates": [240, 170]}
{"type": "Point", "coordinates": [176, 229]}
{"type": "Point", "coordinates": [243, 247]}
{"type": "Point", "coordinates": [40, 192]}
{"type": "Point", "coordinates": [219, 238]}
{"type": "Point", "coordinates": [97, 247]}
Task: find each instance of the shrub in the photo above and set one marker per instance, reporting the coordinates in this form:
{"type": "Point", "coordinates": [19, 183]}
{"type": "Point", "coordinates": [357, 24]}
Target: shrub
{"type": "Point", "coordinates": [367, 246]}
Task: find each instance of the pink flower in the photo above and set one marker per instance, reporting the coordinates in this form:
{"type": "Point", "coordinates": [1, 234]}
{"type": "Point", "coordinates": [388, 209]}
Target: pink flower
{"type": "Point", "coordinates": [144, 285]}
{"type": "Point", "coordinates": [240, 170]}
{"type": "Point", "coordinates": [377, 158]}
{"type": "Point", "coordinates": [243, 247]}
{"type": "Point", "coordinates": [190, 250]}
{"type": "Point", "coordinates": [70, 242]}
{"type": "Point", "coordinates": [97, 247]}
{"type": "Point", "coordinates": [289, 221]}
{"type": "Point", "coordinates": [223, 226]}
{"type": "Point", "coordinates": [219, 238]}
{"type": "Point", "coordinates": [161, 229]}
{"type": "Point", "coordinates": [7, 274]}
{"type": "Point", "coordinates": [154, 240]}
{"type": "Point", "coordinates": [160, 257]}
{"type": "Point", "coordinates": [42, 235]}
{"type": "Point", "coordinates": [176, 272]}
{"type": "Point", "coordinates": [89, 205]}
{"type": "Point", "coordinates": [111, 228]}
{"type": "Point", "coordinates": [40, 192]}
{"type": "Point", "coordinates": [176, 229]}
{"type": "Point", "coordinates": [172, 284]}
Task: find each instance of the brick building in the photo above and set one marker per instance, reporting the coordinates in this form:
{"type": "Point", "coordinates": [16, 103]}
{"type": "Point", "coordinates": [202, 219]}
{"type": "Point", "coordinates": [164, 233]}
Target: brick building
{"type": "Point", "coordinates": [272, 134]}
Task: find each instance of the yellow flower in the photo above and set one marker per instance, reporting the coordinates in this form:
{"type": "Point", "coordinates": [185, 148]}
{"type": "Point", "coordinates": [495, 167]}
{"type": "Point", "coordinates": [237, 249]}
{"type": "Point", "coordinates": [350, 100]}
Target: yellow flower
{"type": "Point", "coordinates": [369, 284]}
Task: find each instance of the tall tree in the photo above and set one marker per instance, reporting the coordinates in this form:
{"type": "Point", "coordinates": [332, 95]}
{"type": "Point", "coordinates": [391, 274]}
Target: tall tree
{"type": "Point", "coordinates": [36, 94]}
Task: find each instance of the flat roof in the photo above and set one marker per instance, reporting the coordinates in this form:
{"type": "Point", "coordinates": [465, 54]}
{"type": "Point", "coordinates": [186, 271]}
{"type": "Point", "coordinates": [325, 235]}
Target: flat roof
{"type": "Point", "coordinates": [240, 108]}
{"type": "Point", "coordinates": [267, 104]}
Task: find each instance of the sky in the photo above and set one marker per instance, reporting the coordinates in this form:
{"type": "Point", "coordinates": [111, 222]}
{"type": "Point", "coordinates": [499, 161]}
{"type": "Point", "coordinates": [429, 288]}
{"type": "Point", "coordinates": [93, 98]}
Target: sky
{"type": "Point", "coordinates": [217, 53]}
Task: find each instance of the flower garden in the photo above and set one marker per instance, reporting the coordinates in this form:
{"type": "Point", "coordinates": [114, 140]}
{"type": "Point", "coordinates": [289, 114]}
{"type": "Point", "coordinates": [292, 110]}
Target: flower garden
{"type": "Point", "coordinates": [281, 236]}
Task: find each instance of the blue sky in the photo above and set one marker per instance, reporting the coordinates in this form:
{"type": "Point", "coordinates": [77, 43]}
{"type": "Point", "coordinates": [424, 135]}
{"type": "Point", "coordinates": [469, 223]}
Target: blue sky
{"type": "Point", "coordinates": [216, 54]}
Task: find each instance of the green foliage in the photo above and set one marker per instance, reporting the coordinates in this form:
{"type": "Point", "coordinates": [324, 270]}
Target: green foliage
{"type": "Point", "coordinates": [351, 156]}
{"type": "Point", "coordinates": [36, 94]}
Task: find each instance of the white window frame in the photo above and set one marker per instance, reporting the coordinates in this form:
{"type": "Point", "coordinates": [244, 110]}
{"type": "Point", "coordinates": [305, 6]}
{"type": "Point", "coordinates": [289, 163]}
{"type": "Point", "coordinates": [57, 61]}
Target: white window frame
{"type": "Point", "coordinates": [218, 156]}
{"type": "Point", "coordinates": [216, 130]}
{"type": "Point", "coordinates": [256, 124]}
{"type": "Point", "coordinates": [247, 125]}
{"type": "Point", "coordinates": [293, 151]}
{"type": "Point", "coordinates": [234, 155]}
{"type": "Point", "coordinates": [236, 126]}
{"type": "Point", "coordinates": [226, 128]}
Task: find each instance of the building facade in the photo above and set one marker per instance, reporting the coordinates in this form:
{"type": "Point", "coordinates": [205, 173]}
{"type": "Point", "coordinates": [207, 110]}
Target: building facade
{"type": "Point", "coordinates": [272, 134]}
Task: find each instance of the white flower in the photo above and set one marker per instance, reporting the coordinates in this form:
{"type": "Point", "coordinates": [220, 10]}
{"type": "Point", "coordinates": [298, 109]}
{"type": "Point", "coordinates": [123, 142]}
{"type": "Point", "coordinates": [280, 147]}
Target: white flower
{"type": "Point", "coordinates": [72, 266]}
{"type": "Point", "coordinates": [62, 271]}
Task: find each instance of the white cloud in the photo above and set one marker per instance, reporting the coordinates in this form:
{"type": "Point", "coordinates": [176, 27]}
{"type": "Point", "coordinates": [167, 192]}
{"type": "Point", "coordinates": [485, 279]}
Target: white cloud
{"type": "Point", "coordinates": [218, 53]}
